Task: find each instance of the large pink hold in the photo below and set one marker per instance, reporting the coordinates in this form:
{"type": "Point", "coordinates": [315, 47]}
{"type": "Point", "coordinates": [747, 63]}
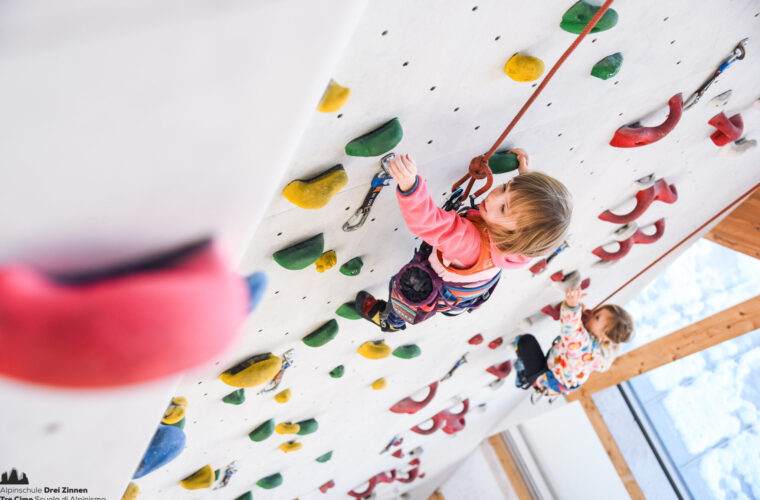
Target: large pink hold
{"type": "Point", "coordinates": [131, 328]}
{"type": "Point", "coordinates": [634, 135]}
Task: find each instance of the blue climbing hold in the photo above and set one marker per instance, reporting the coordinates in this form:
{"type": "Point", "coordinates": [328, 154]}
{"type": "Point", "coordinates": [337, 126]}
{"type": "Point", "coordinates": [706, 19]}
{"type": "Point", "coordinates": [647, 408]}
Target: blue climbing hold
{"type": "Point", "coordinates": [257, 285]}
{"type": "Point", "coordinates": [167, 443]}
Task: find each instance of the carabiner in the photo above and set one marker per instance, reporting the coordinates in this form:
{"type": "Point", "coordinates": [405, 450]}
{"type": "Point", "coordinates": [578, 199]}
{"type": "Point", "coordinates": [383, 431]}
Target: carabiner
{"type": "Point", "coordinates": [380, 180]}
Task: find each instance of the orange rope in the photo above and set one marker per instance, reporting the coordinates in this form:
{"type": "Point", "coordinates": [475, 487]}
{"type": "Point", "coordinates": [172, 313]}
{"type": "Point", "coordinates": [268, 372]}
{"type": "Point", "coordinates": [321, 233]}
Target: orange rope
{"type": "Point", "coordinates": [479, 168]}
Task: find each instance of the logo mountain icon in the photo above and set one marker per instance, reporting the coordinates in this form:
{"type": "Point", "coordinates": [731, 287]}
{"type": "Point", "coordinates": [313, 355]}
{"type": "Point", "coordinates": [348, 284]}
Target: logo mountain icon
{"type": "Point", "coordinates": [13, 478]}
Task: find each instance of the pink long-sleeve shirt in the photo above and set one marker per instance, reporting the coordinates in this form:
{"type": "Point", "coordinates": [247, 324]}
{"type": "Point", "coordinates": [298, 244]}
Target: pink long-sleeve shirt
{"type": "Point", "coordinates": [456, 237]}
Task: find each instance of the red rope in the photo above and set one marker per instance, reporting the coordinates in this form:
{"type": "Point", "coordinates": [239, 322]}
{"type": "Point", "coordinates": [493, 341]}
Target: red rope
{"type": "Point", "coordinates": [479, 168]}
{"type": "Point", "coordinates": [728, 207]}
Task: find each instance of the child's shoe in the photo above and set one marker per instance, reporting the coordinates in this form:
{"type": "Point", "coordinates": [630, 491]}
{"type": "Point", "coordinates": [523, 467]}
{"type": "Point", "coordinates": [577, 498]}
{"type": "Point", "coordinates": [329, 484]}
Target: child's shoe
{"type": "Point", "coordinates": [369, 308]}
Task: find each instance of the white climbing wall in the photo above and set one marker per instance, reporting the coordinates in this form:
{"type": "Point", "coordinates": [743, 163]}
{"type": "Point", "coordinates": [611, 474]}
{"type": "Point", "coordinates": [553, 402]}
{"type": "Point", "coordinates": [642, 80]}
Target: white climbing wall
{"type": "Point", "coordinates": [438, 67]}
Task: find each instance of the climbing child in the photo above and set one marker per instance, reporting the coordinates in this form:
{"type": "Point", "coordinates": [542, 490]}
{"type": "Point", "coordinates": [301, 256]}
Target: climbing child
{"type": "Point", "coordinates": [589, 342]}
{"type": "Point", "coordinates": [460, 262]}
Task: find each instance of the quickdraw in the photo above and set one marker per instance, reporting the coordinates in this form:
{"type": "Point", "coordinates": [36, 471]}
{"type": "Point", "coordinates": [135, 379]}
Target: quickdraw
{"type": "Point", "coordinates": [737, 54]}
{"type": "Point", "coordinates": [380, 180]}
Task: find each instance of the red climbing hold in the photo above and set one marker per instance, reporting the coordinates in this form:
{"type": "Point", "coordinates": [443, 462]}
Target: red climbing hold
{"type": "Point", "coordinates": [449, 422]}
{"type": "Point", "coordinates": [411, 476]}
{"type": "Point", "coordinates": [552, 310]}
{"type": "Point", "coordinates": [539, 267]}
{"type": "Point", "coordinates": [414, 462]}
{"type": "Point", "coordinates": [438, 422]}
{"type": "Point", "coordinates": [496, 343]}
{"type": "Point", "coordinates": [477, 339]}
{"type": "Point", "coordinates": [659, 191]}
{"type": "Point", "coordinates": [408, 405]}
{"type": "Point", "coordinates": [329, 484]}
{"type": "Point", "coordinates": [133, 326]}
{"type": "Point", "coordinates": [500, 370]}
{"type": "Point", "coordinates": [729, 129]}
{"type": "Point", "coordinates": [398, 453]}
{"type": "Point", "coordinates": [635, 135]}
{"type": "Point", "coordinates": [585, 283]}
{"type": "Point", "coordinates": [383, 477]}
{"type": "Point", "coordinates": [558, 276]}
{"type": "Point", "coordinates": [640, 237]}
{"type": "Point", "coordinates": [625, 247]}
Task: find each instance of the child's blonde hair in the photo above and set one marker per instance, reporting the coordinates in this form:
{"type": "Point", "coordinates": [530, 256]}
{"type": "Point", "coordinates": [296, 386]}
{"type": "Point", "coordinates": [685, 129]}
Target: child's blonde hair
{"type": "Point", "coordinates": [543, 207]}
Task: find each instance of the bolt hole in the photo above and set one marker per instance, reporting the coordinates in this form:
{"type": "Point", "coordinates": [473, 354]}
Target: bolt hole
{"type": "Point", "coordinates": [372, 270]}
{"type": "Point", "coordinates": [593, 41]}
{"type": "Point", "coordinates": [384, 32]}
{"type": "Point", "coordinates": [406, 63]}
{"type": "Point", "coordinates": [279, 234]}
{"type": "Point", "coordinates": [672, 42]}
{"type": "Point", "coordinates": [475, 8]}
{"type": "Point", "coordinates": [395, 229]}
{"type": "Point", "coordinates": [348, 208]}
{"type": "Point", "coordinates": [617, 81]}
{"type": "Point", "coordinates": [548, 104]}
{"type": "Point", "coordinates": [666, 18]}
{"type": "Point", "coordinates": [372, 219]}
{"type": "Point", "coordinates": [620, 114]}
{"type": "Point", "coordinates": [591, 173]}
{"type": "Point", "coordinates": [276, 292]}
{"type": "Point", "coordinates": [499, 37]}
{"type": "Point", "coordinates": [340, 115]}
{"type": "Point", "coordinates": [559, 135]}
{"type": "Point", "coordinates": [571, 148]}
{"type": "Point", "coordinates": [303, 298]}
{"type": "Point", "coordinates": [430, 141]}
{"type": "Point", "coordinates": [534, 85]}
{"type": "Point", "coordinates": [477, 127]}
{"type": "Point", "coordinates": [432, 88]}
{"type": "Point", "coordinates": [456, 109]}
{"type": "Point", "coordinates": [261, 330]}
{"type": "Point", "coordinates": [679, 62]}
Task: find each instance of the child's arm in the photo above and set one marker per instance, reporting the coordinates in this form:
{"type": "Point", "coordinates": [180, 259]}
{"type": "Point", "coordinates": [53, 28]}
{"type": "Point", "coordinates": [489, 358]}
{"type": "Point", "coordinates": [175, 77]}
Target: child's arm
{"type": "Point", "coordinates": [456, 237]}
{"type": "Point", "coordinates": [570, 319]}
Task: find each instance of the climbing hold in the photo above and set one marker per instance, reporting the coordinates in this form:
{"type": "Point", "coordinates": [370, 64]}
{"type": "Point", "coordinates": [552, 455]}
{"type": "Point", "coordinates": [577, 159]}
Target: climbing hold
{"type": "Point", "coordinates": [167, 443]}
{"type": "Point", "coordinates": [329, 484]}
{"type": "Point", "coordinates": [287, 428]}
{"type": "Point", "coordinates": [379, 384]}
{"type": "Point", "coordinates": [131, 493]}
{"type": "Point", "coordinates": [324, 458]}
{"type": "Point", "coordinates": [235, 397]}
{"type": "Point", "coordinates": [635, 135]}
{"type": "Point", "coordinates": [729, 129]}
{"type": "Point", "coordinates": [639, 237]}
{"type": "Point", "coordinates": [558, 276]}
{"type": "Point", "coordinates": [263, 431]}
{"type": "Point", "coordinates": [283, 397]}
{"type": "Point", "coordinates": [352, 267]}
{"type": "Point", "coordinates": [202, 478]}
{"type": "Point", "coordinates": [475, 340]}
{"type": "Point", "coordinates": [63, 331]}
{"type": "Point", "coordinates": [585, 283]}
{"type": "Point", "coordinates": [375, 350]}
{"type": "Point", "coordinates": [398, 453]}
{"type": "Point", "coordinates": [571, 280]}
{"type": "Point", "coordinates": [216, 474]}
{"type": "Point", "coordinates": [322, 335]}
{"type": "Point", "coordinates": [503, 162]}
{"type": "Point", "coordinates": [270, 482]}
{"type": "Point", "coordinates": [577, 17]}
{"type": "Point", "coordinates": [337, 372]}
{"type": "Point", "coordinates": [495, 343]}
{"type": "Point", "coordinates": [659, 191]}
{"type": "Point", "coordinates": [334, 98]}
{"type": "Point", "coordinates": [608, 67]}
{"type": "Point", "coordinates": [245, 496]}
{"type": "Point", "coordinates": [317, 191]}
{"type": "Point", "coordinates": [552, 310]}
{"type": "Point", "coordinates": [348, 311]}
{"type": "Point", "coordinates": [326, 261]}
{"type": "Point", "coordinates": [409, 405]}
{"type": "Point", "coordinates": [301, 254]}
{"type": "Point", "coordinates": [378, 142]}
{"type": "Point", "coordinates": [257, 285]}
{"type": "Point", "coordinates": [500, 370]}
{"type": "Point", "coordinates": [407, 351]}
{"type": "Point", "coordinates": [175, 412]}
{"type": "Point", "coordinates": [382, 477]}
{"type": "Point", "coordinates": [522, 68]}
{"type": "Point", "coordinates": [308, 426]}
{"type": "Point", "coordinates": [720, 100]}
{"type": "Point", "coordinates": [253, 371]}
{"type": "Point", "coordinates": [291, 446]}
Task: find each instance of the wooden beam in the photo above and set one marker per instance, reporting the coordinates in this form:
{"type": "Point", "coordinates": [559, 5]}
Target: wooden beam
{"type": "Point", "coordinates": [510, 467]}
{"type": "Point", "coordinates": [611, 447]}
{"type": "Point", "coordinates": [725, 325]}
{"type": "Point", "coordinates": [740, 231]}
{"type": "Point", "coordinates": [437, 495]}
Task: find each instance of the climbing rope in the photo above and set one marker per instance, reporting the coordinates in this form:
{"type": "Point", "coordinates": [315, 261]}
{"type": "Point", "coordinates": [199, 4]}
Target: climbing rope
{"type": "Point", "coordinates": [479, 168]}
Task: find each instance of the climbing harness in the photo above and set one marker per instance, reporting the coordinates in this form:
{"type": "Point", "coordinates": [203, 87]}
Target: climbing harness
{"type": "Point", "coordinates": [737, 54]}
{"type": "Point", "coordinates": [479, 168]}
{"type": "Point", "coordinates": [380, 180]}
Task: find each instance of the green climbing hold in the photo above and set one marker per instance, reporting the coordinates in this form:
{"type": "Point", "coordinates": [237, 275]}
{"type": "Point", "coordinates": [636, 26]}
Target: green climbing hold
{"type": "Point", "coordinates": [337, 372]}
{"type": "Point", "coordinates": [608, 67]}
{"type": "Point", "coordinates": [308, 426]}
{"type": "Point", "coordinates": [378, 142]}
{"type": "Point", "coordinates": [301, 254]}
{"type": "Point", "coordinates": [407, 351]}
{"type": "Point", "coordinates": [245, 496]}
{"type": "Point", "coordinates": [270, 482]}
{"type": "Point", "coordinates": [263, 431]}
{"type": "Point", "coordinates": [348, 311]}
{"type": "Point", "coordinates": [503, 162]}
{"type": "Point", "coordinates": [577, 17]}
{"type": "Point", "coordinates": [235, 397]}
{"type": "Point", "coordinates": [216, 475]}
{"type": "Point", "coordinates": [352, 267]}
{"type": "Point", "coordinates": [322, 335]}
{"type": "Point", "coordinates": [180, 424]}
{"type": "Point", "coordinates": [324, 458]}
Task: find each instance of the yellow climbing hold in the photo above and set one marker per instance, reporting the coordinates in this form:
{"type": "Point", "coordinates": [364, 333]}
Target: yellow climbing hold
{"type": "Point", "coordinates": [375, 350]}
{"type": "Point", "coordinates": [316, 191]}
{"type": "Point", "coordinates": [283, 397]}
{"type": "Point", "coordinates": [334, 98]}
{"type": "Point", "coordinates": [175, 412]}
{"type": "Point", "coordinates": [380, 383]}
{"type": "Point", "coordinates": [291, 446]}
{"type": "Point", "coordinates": [327, 260]}
{"type": "Point", "coordinates": [253, 371]}
{"type": "Point", "coordinates": [132, 492]}
{"type": "Point", "coordinates": [287, 428]}
{"type": "Point", "coordinates": [522, 68]}
{"type": "Point", "coordinates": [203, 478]}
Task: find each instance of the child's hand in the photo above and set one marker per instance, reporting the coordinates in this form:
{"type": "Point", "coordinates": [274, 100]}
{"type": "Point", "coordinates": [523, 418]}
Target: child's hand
{"type": "Point", "coordinates": [523, 160]}
{"type": "Point", "coordinates": [404, 170]}
{"type": "Point", "coordinates": [573, 296]}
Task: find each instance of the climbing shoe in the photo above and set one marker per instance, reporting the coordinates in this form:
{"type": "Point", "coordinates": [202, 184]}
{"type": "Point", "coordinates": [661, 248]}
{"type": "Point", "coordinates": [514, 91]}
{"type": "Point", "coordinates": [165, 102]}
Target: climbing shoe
{"type": "Point", "coordinates": [371, 309]}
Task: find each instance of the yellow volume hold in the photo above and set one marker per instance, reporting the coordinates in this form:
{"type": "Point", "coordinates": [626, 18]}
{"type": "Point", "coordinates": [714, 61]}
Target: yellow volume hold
{"type": "Point", "coordinates": [375, 350]}
{"type": "Point", "coordinates": [175, 412]}
{"type": "Point", "coordinates": [522, 68]}
{"type": "Point", "coordinates": [283, 397]}
{"type": "Point", "coordinates": [287, 428]}
{"type": "Point", "coordinates": [203, 478]}
{"type": "Point", "coordinates": [334, 98]}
